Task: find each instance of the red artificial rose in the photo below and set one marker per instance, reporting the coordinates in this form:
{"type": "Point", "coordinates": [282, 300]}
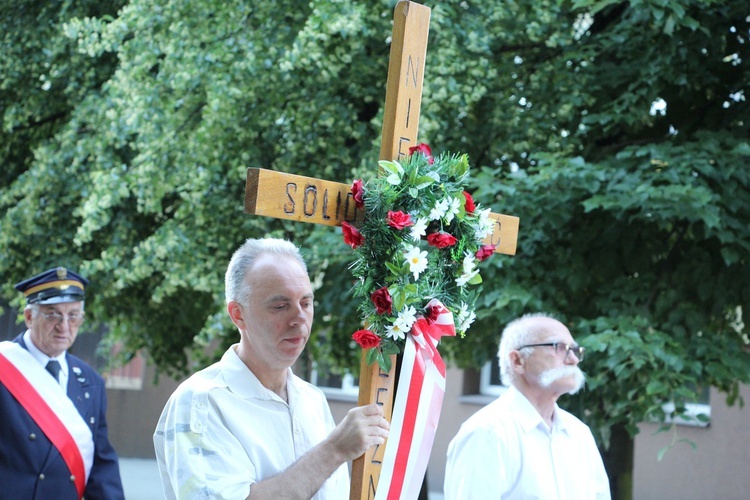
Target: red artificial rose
{"type": "Point", "coordinates": [470, 207]}
{"type": "Point", "coordinates": [382, 300]}
{"type": "Point", "coordinates": [352, 236]}
{"type": "Point", "coordinates": [358, 193]}
{"type": "Point", "coordinates": [441, 240]}
{"type": "Point", "coordinates": [398, 220]}
{"type": "Point", "coordinates": [425, 150]}
{"type": "Point", "coordinates": [366, 339]}
{"type": "Point", "coordinates": [484, 252]}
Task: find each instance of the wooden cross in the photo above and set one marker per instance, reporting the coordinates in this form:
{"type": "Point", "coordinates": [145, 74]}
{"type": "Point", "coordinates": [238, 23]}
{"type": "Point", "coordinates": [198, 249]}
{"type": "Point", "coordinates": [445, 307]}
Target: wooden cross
{"type": "Point", "coordinates": [305, 199]}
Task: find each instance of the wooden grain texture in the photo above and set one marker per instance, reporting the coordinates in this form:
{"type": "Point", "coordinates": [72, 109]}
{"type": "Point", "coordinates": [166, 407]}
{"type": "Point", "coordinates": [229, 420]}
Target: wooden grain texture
{"type": "Point", "coordinates": [375, 386]}
{"type": "Point", "coordinates": [403, 95]}
{"type": "Point", "coordinates": [299, 198]}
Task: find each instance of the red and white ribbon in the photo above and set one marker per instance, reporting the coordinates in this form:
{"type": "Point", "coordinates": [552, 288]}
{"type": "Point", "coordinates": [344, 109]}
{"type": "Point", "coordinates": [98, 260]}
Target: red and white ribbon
{"type": "Point", "coordinates": [416, 410]}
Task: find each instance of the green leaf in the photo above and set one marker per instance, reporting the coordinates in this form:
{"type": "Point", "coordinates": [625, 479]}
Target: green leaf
{"type": "Point", "coordinates": [662, 452]}
{"type": "Point", "coordinates": [423, 181]}
{"type": "Point", "coordinates": [394, 269]}
{"type": "Point", "coordinates": [393, 179]}
{"type": "Point", "coordinates": [384, 362]}
{"type": "Point", "coordinates": [391, 348]}
{"type": "Point", "coordinates": [371, 356]}
{"type": "Point", "coordinates": [392, 167]}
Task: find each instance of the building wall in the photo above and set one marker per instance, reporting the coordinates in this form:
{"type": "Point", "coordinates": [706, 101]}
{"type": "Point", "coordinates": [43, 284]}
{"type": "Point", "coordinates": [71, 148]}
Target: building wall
{"type": "Point", "coordinates": [718, 467]}
{"type": "Point", "coordinates": [132, 415]}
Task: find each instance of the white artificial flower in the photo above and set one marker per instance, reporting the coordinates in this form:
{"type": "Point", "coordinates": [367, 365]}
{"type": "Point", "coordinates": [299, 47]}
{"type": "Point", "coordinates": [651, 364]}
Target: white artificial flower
{"type": "Point", "coordinates": [395, 331]}
{"type": "Point", "coordinates": [419, 229]}
{"type": "Point", "coordinates": [438, 211]}
{"type": "Point", "coordinates": [484, 225]}
{"type": "Point", "coordinates": [417, 260]}
{"type": "Point", "coordinates": [466, 277]}
{"type": "Point", "coordinates": [453, 206]}
{"type": "Point", "coordinates": [468, 269]}
{"type": "Point", "coordinates": [406, 318]}
{"type": "Point", "coordinates": [469, 262]}
{"type": "Point", "coordinates": [465, 318]}
{"type": "Point", "coordinates": [466, 323]}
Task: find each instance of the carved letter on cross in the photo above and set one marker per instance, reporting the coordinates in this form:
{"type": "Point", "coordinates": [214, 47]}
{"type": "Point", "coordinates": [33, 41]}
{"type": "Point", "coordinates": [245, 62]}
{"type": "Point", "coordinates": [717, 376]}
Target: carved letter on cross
{"type": "Point", "coordinates": [305, 199]}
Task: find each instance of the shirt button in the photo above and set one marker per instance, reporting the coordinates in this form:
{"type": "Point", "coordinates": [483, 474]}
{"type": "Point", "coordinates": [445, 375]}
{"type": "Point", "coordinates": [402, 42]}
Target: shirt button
{"type": "Point", "coordinates": [41, 477]}
{"type": "Point", "coordinates": [32, 436]}
{"type": "Point", "coordinates": [199, 405]}
{"type": "Point", "coordinates": [72, 478]}
{"type": "Point", "coordinates": [198, 425]}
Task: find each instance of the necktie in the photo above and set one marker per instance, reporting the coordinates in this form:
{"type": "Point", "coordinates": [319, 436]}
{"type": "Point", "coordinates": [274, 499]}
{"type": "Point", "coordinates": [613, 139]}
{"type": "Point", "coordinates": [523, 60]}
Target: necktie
{"type": "Point", "coordinates": [54, 368]}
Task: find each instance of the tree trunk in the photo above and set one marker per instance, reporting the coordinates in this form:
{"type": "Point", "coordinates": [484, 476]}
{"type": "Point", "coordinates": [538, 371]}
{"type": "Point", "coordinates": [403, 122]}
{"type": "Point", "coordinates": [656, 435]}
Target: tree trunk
{"type": "Point", "coordinates": [618, 461]}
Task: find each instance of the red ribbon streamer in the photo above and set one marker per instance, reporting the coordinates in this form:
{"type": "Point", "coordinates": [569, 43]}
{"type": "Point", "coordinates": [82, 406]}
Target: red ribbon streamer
{"type": "Point", "coordinates": [426, 335]}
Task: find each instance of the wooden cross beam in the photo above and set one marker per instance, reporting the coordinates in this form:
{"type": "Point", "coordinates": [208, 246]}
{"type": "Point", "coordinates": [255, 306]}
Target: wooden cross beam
{"type": "Point", "coordinates": [306, 199]}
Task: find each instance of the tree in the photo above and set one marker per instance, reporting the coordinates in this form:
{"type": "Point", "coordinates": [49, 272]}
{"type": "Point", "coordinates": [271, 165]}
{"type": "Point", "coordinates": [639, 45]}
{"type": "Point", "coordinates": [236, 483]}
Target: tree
{"type": "Point", "coordinates": [617, 131]}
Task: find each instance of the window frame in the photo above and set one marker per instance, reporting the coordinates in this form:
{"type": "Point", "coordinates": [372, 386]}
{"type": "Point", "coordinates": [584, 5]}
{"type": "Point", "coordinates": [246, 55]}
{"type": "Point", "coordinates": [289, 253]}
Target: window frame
{"type": "Point", "coordinates": [347, 391]}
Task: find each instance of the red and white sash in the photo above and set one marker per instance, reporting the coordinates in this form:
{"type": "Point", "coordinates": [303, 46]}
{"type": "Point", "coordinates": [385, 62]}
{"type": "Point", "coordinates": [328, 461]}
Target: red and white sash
{"type": "Point", "coordinates": [416, 410]}
{"type": "Point", "coordinates": [50, 408]}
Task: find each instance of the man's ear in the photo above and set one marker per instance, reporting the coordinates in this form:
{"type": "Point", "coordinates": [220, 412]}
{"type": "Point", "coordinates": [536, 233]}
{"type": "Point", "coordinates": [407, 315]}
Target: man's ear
{"type": "Point", "coordinates": [27, 317]}
{"type": "Point", "coordinates": [235, 313]}
{"type": "Point", "coordinates": [517, 362]}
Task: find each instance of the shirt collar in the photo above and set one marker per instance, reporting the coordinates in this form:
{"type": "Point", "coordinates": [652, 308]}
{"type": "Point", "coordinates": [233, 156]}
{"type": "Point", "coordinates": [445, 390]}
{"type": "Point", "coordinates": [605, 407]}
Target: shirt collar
{"type": "Point", "coordinates": [42, 358]}
{"type": "Point", "coordinates": [528, 416]}
{"type": "Point", "coordinates": [243, 382]}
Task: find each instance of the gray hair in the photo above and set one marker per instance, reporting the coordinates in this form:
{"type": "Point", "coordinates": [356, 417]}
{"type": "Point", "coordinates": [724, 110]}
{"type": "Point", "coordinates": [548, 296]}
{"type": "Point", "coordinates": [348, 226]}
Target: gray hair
{"type": "Point", "coordinates": [518, 332]}
{"type": "Point", "coordinates": [235, 287]}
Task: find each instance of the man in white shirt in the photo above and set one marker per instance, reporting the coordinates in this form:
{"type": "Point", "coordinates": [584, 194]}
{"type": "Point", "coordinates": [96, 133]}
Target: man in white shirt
{"type": "Point", "coordinates": [247, 427]}
{"type": "Point", "coordinates": [524, 446]}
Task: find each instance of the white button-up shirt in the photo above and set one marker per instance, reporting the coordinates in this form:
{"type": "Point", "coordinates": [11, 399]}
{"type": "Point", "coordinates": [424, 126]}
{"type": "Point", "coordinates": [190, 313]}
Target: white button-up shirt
{"type": "Point", "coordinates": [222, 430]}
{"type": "Point", "coordinates": [507, 451]}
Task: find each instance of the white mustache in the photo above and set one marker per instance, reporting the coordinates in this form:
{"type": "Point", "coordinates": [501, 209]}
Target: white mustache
{"type": "Point", "coordinates": [547, 378]}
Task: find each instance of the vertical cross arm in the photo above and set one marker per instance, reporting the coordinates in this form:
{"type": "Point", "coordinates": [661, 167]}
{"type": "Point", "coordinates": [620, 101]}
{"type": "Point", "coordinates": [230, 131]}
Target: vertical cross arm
{"type": "Point", "coordinates": [403, 97]}
{"type": "Point", "coordinates": [403, 94]}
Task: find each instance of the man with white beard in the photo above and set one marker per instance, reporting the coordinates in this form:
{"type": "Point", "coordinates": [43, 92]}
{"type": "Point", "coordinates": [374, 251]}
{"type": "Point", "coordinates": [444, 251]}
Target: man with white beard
{"type": "Point", "coordinates": [522, 445]}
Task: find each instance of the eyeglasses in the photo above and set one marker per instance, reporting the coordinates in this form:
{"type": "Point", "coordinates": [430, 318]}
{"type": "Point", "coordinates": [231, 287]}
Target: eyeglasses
{"type": "Point", "coordinates": [561, 349]}
{"type": "Point", "coordinates": [55, 318]}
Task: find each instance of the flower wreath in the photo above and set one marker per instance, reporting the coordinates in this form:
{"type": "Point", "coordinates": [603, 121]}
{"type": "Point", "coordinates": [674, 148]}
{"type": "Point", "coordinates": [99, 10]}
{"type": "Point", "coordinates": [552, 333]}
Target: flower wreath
{"type": "Point", "coordinates": [420, 240]}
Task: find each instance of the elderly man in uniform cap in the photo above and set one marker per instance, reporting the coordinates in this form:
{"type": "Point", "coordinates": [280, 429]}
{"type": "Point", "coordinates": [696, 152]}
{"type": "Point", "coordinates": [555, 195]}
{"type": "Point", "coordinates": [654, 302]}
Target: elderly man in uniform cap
{"type": "Point", "coordinates": [53, 437]}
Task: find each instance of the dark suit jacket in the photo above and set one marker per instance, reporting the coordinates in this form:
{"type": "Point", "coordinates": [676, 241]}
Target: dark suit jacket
{"type": "Point", "coordinates": [32, 468]}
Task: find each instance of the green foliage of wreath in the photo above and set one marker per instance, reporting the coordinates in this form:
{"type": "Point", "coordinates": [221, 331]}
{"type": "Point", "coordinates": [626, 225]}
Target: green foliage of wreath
{"type": "Point", "coordinates": [422, 238]}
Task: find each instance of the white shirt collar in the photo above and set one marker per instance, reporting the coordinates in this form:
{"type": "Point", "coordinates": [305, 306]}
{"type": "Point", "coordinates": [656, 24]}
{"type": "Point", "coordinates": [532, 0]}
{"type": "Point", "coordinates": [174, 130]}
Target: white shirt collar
{"type": "Point", "coordinates": [243, 382]}
{"type": "Point", "coordinates": [529, 417]}
{"type": "Point", "coordinates": [42, 358]}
